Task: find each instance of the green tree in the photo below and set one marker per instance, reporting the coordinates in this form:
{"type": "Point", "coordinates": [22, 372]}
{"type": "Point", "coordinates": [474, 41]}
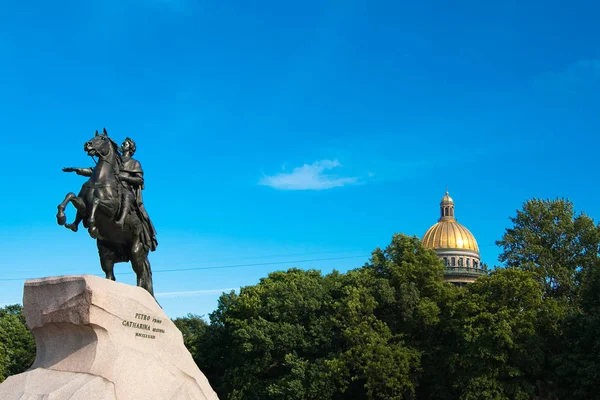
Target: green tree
{"type": "Point", "coordinates": [556, 244]}
{"type": "Point", "coordinates": [379, 363]}
{"type": "Point", "coordinates": [560, 247]}
{"type": "Point", "coordinates": [268, 332]}
{"type": "Point", "coordinates": [578, 363]}
{"type": "Point", "coordinates": [207, 343]}
{"type": "Point", "coordinates": [193, 328]}
{"type": "Point", "coordinates": [498, 323]}
{"type": "Point", "coordinates": [4, 361]}
{"type": "Point", "coordinates": [17, 345]}
{"type": "Point", "coordinates": [301, 335]}
{"type": "Point", "coordinates": [421, 308]}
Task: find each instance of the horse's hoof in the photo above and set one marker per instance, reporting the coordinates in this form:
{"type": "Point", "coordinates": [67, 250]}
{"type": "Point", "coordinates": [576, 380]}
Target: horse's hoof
{"type": "Point", "coordinates": [61, 218]}
{"type": "Point", "coordinates": [72, 227]}
{"type": "Point", "coordinates": [93, 232]}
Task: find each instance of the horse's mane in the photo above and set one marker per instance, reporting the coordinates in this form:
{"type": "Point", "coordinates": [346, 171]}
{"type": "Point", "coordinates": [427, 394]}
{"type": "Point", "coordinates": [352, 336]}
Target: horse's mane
{"type": "Point", "coordinates": [115, 147]}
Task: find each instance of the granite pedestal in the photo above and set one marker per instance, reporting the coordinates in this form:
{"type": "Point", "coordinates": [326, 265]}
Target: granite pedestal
{"type": "Point", "coordinates": [102, 340]}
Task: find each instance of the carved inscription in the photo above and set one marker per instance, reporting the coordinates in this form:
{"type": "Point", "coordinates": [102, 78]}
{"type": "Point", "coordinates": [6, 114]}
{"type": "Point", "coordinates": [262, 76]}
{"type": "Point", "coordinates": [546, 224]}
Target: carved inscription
{"type": "Point", "coordinates": [144, 323]}
{"type": "Point", "coordinates": [143, 335]}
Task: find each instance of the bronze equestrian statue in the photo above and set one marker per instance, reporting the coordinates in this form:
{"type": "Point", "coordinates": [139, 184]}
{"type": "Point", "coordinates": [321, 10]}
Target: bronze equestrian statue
{"type": "Point", "coordinates": [111, 208]}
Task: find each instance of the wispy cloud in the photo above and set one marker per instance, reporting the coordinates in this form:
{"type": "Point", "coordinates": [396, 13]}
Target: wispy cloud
{"type": "Point", "coordinates": [193, 293]}
{"type": "Point", "coordinates": [583, 75]}
{"type": "Point", "coordinates": [309, 177]}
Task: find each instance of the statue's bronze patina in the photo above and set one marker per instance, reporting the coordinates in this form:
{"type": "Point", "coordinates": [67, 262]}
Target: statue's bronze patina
{"type": "Point", "coordinates": [111, 208]}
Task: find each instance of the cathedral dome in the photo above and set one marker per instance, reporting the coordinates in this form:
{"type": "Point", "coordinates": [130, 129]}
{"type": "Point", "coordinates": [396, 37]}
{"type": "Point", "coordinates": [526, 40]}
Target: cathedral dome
{"type": "Point", "coordinates": [455, 246]}
{"type": "Point", "coordinates": [447, 233]}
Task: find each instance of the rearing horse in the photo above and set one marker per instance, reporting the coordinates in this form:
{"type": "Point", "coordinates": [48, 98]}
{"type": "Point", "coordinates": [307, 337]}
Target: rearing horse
{"type": "Point", "coordinates": [98, 205]}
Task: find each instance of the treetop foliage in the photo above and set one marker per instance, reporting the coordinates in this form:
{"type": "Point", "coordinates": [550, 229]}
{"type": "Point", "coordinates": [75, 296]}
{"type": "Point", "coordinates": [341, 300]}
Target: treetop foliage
{"type": "Point", "coordinates": [553, 242]}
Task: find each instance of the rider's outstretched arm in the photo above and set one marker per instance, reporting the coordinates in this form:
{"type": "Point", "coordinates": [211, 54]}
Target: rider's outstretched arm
{"type": "Point", "coordinates": [84, 171]}
{"type": "Point", "coordinates": [79, 171]}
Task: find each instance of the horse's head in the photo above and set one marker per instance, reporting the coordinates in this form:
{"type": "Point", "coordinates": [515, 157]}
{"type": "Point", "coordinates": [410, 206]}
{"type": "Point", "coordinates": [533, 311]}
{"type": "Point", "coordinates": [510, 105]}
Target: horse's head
{"type": "Point", "coordinates": [102, 146]}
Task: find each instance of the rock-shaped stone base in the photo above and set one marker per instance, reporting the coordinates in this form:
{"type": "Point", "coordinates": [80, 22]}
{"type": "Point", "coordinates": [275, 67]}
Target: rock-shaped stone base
{"type": "Point", "coordinates": [102, 340]}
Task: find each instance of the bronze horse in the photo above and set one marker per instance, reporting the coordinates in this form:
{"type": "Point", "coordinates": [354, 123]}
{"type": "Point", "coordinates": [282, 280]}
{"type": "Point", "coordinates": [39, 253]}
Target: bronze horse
{"type": "Point", "coordinates": [98, 205]}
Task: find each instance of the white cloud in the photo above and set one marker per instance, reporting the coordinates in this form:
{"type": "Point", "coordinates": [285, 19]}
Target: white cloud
{"type": "Point", "coordinates": [309, 177]}
{"type": "Point", "coordinates": [193, 293]}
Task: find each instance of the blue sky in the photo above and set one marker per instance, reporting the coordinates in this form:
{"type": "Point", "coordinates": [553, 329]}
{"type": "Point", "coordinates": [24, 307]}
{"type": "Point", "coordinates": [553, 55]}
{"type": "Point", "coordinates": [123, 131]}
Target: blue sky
{"type": "Point", "coordinates": [272, 133]}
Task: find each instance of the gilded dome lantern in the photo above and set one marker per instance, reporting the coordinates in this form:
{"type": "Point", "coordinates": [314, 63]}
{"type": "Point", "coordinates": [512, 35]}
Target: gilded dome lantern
{"type": "Point", "coordinates": [455, 245]}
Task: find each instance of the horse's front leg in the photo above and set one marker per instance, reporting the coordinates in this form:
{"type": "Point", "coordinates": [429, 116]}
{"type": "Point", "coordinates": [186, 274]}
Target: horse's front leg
{"type": "Point", "coordinates": [107, 207]}
{"type": "Point", "coordinates": [81, 210]}
{"type": "Point", "coordinates": [61, 218]}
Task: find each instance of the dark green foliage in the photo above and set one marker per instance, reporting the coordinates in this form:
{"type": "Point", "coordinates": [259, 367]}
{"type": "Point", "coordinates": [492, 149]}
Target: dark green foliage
{"type": "Point", "coordinates": [498, 349]}
{"type": "Point", "coordinates": [17, 345]}
{"type": "Point", "coordinates": [552, 242]}
{"type": "Point", "coordinates": [301, 335]}
{"type": "Point", "coordinates": [578, 363]}
{"type": "Point", "coordinates": [193, 328]}
{"type": "Point", "coordinates": [420, 309]}
{"type": "Point", "coordinates": [560, 248]}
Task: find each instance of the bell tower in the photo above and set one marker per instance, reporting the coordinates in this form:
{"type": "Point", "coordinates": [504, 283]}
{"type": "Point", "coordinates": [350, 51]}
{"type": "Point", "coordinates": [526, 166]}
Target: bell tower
{"type": "Point", "coordinates": [446, 208]}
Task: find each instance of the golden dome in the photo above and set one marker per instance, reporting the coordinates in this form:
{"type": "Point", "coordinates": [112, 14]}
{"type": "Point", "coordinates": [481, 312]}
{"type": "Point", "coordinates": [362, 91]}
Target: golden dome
{"type": "Point", "coordinates": [449, 234]}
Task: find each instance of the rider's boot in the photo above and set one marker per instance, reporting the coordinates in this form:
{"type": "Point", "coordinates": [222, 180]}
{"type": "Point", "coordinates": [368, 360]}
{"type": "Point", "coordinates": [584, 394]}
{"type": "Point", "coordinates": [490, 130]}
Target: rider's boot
{"type": "Point", "coordinates": [125, 205]}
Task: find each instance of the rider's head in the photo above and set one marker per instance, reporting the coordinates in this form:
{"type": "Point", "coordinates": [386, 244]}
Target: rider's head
{"type": "Point", "coordinates": [128, 145]}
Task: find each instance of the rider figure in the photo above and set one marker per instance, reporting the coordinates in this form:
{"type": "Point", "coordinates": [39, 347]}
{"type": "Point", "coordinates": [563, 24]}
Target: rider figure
{"type": "Point", "coordinates": [132, 178]}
